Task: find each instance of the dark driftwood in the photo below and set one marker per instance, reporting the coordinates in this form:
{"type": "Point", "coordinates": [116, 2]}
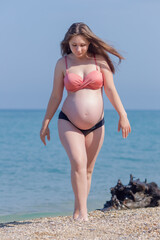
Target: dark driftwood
{"type": "Point", "coordinates": [136, 194]}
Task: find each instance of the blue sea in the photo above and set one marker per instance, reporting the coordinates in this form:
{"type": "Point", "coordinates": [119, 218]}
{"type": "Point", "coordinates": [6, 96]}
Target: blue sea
{"type": "Point", "coordinates": [35, 179]}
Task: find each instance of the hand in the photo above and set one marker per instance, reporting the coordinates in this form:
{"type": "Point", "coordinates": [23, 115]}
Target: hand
{"type": "Point", "coordinates": [44, 132]}
{"type": "Point", "coordinates": [125, 126]}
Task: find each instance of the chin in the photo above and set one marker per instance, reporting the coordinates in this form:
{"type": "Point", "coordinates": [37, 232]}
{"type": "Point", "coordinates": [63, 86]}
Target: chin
{"type": "Point", "coordinates": [80, 55]}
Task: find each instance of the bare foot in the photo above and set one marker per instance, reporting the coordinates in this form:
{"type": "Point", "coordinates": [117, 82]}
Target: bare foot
{"type": "Point", "coordinates": [76, 214]}
{"type": "Point", "coordinates": [82, 218]}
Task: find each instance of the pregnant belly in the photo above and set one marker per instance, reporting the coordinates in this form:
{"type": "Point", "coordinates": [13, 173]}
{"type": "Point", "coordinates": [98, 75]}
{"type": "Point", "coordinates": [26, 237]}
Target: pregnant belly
{"type": "Point", "coordinates": [84, 108]}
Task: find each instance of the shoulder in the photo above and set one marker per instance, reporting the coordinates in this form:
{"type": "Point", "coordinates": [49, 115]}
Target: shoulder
{"type": "Point", "coordinates": [60, 62]}
{"type": "Point", "coordinates": [101, 61]}
{"type": "Point", "coordinates": [60, 65]}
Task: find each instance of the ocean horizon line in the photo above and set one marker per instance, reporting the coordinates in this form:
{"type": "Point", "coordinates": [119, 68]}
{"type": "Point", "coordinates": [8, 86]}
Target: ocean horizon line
{"type": "Point", "coordinates": [44, 109]}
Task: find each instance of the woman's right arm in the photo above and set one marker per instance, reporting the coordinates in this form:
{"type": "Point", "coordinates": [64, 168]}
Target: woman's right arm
{"type": "Point", "coordinates": [54, 101]}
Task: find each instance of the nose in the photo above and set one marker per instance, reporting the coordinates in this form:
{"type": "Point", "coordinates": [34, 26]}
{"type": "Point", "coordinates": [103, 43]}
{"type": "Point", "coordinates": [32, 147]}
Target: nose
{"type": "Point", "coordinates": [78, 48]}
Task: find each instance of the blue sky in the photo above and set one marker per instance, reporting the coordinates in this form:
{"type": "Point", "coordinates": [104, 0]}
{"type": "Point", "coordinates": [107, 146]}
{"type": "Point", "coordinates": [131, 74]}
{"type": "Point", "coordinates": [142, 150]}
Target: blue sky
{"type": "Point", "coordinates": [30, 36]}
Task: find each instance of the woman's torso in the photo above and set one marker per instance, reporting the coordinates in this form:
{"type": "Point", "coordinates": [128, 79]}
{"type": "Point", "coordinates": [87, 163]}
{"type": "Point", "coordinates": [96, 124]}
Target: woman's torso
{"type": "Point", "coordinates": [84, 104]}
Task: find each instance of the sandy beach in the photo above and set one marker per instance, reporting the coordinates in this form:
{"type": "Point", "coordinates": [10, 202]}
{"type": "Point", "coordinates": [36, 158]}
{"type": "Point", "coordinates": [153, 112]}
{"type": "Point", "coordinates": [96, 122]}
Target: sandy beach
{"type": "Point", "coordinates": [124, 224]}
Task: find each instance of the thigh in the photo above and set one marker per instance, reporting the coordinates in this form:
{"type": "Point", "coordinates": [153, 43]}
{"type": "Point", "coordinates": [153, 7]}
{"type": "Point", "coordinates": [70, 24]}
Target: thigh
{"type": "Point", "coordinates": [74, 143]}
{"type": "Point", "coordinates": [93, 142]}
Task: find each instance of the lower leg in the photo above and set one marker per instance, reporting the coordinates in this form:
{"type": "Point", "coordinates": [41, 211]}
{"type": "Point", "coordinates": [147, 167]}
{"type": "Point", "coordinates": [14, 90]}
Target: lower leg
{"type": "Point", "coordinates": [79, 184]}
{"type": "Point", "coordinates": [76, 209]}
{"type": "Point", "coordinates": [89, 178]}
{"type": "Point", "coordinates": [76, 204]}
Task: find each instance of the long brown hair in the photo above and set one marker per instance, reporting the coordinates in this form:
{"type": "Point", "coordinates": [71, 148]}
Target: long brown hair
{"type": "Point", "coordinates": [96, 46]}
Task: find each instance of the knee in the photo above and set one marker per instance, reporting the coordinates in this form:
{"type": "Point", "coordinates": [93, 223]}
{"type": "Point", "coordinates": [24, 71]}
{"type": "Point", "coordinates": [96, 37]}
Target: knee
{"type": "Point", "coordinates": [78, 165]}
{"type": "Point", "coordinates": [89, 173]}
{"type": "Point", "coordinates": [79, 171]}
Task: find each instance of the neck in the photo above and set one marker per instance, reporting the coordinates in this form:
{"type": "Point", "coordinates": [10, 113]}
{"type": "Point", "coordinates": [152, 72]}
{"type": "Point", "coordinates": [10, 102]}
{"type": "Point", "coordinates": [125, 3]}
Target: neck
{"type": "Point", "coordinates": [84, 57]}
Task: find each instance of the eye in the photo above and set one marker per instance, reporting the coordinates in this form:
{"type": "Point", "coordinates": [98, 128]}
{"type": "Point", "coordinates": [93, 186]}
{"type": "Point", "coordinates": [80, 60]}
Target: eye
{"type": "Point", "coordinates": [81, 45]}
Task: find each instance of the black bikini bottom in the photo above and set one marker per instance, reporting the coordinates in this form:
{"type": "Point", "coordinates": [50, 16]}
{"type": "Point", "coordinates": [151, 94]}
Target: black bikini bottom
{"type": "Point", "coordinates": [87, 131]}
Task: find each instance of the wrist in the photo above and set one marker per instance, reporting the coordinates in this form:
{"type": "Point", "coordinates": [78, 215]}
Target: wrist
{"type": "Point", "coordinates": [123, 115]}
{"type": "Point", "coordinates": [45, 123]}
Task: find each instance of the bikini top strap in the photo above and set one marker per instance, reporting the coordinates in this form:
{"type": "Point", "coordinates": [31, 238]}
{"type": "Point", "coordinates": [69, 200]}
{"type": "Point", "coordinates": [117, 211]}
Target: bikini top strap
{"type": "Point", "coordinates": [95, 62]}
{"type": "Point", "coordinates": [66, 62]}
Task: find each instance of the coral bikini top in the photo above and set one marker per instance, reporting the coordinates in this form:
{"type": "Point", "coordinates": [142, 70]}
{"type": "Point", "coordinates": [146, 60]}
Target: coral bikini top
{"type": "Point", "coordinates": [74, 82]}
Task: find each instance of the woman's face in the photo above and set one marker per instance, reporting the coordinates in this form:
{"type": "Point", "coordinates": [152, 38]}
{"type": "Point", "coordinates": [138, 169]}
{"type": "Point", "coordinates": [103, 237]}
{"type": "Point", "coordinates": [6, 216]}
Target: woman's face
{"type": "Point", "coordinates": [79, 45]}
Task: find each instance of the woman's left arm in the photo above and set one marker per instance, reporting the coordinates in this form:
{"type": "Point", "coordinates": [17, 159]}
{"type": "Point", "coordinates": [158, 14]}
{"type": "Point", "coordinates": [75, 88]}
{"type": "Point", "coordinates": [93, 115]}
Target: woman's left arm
{"type": "Point", "coordinates": [112, 94]}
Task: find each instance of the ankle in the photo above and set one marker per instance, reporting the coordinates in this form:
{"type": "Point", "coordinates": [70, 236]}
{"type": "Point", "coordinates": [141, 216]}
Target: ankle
{"type": "Point", "coordinates": [83, 212]}
{"type": "Point", "coordinates": [76, 212]}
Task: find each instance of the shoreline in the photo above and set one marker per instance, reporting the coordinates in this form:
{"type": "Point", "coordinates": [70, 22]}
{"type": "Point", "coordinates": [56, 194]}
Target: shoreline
{"type": "Point", "coordinates": [143, 223]}
{"type": "Point", "coordinates": [29, 216]}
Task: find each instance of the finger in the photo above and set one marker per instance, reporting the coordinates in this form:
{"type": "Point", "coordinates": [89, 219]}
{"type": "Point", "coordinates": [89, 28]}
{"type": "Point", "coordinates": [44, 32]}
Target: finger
{"type": "Point", "coordinates": [43, 139]}
{"type": "Point", "coordinates": [123, 133]}
{"type": "Point", "coordinates": [126, 133]}
{"type": "Point", "coordinates": [119, 127]}
{"type": "Point", "coordinates": [48, 136]}
{"type": "Point", "coordinates": [128, 130]}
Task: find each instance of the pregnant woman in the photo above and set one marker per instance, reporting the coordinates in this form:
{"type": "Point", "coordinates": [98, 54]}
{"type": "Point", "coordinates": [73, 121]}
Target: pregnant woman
{"type": "Point", "coordinates": [84, 70]}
